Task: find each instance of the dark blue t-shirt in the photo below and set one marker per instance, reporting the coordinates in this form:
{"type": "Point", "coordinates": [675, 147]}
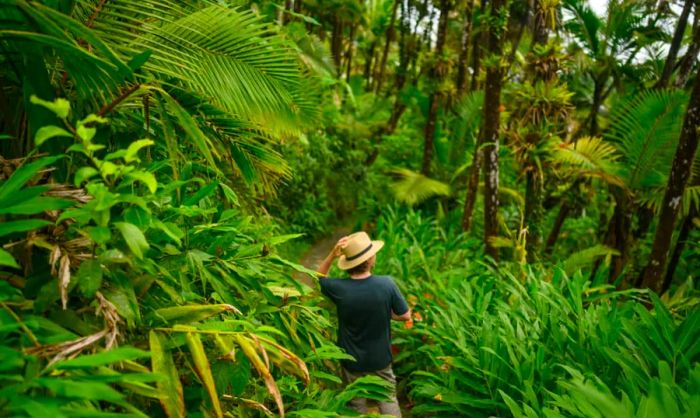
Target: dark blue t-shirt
{"type": "Point", "coordinates": [364, 317]}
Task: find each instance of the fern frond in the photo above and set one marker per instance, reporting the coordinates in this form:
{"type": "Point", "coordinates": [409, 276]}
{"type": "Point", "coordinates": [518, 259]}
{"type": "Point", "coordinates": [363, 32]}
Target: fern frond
{"type": "Point", "coordinates": [413, 188]}
{"type": "Point", "coordinates": [645, 130]}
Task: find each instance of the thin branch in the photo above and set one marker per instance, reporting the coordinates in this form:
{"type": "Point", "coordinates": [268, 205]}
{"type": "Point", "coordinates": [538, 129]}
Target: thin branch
{"type": "Point", "coordinates": [126, 93]}
{"type": "Point", "coordinates": [94, 14]}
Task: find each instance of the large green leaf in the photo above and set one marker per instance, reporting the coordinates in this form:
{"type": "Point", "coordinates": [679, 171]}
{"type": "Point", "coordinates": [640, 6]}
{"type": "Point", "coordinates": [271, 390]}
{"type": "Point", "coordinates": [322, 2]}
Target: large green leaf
{"type": "Point", "coordinates": [6, 259]}
{"type": "Point", "coordinates": [36, 205]}
{"type": "Point", "coordinates": [102, 359]}
{"type": "Point", "coordinates": [20, 177]}
{"type": "Point", "coordinates": [203, 368]}
{"type": "Point", "coordinates": [134, 238]}
{"type": "Point", "coordinates": [80, 390]}
{"type": "Point", "coordinates": [170, 387]}
{"type": "Point", "coordinates": [192, 313]}
{"type": "Point", "coordinates": [10, 227]}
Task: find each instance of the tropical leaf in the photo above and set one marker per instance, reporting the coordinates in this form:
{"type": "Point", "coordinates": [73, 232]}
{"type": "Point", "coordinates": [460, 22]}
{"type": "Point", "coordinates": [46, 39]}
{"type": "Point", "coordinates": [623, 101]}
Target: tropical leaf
{"type": "Point", "coordinates": [203, 368]}
{"type": "Point", "coordinates": [262, 369]}
{"type": "Point", "coordinates": [590, 157]}
{"type": "Point", "coordinates": [412, 188]}
{"type": "Point", "coordinates": [586, 257]}
{"type": "Point", "coordinates": [171, 395]}
{"type": "Point", "coordinates": [192, 313]}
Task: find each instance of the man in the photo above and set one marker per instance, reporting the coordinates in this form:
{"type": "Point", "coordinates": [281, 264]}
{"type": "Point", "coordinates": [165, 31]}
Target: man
{"type": "Point", "coordinates": [366, 305]}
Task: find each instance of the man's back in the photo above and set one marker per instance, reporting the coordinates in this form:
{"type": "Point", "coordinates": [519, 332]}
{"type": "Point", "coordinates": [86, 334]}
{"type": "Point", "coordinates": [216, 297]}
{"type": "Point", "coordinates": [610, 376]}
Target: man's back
{"type": "Point", "coordinates": [364, 315]}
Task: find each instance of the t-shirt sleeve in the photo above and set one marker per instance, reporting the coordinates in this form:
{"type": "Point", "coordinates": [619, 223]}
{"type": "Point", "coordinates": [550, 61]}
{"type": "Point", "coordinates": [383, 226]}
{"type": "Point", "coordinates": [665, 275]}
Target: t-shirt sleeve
{"type": "Point", "coordinates": [398, 303]}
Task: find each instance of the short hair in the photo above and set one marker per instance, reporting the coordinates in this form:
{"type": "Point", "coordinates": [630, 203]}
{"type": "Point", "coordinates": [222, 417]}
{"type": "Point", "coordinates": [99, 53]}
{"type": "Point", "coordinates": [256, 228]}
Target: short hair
{"type": "Point", "coordinates": [360, 268]}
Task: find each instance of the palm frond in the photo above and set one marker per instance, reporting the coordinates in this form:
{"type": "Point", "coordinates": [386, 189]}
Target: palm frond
{"type": "Point", "coordinates": [412, 188]}
{"type": "Point", "coordinates": [227, 55]}
{"type": "Point", "coordinates": [589, 157]}
{"type": "Point", "coordinates": [584, 24]}
{"type": "Point", "coordinates": [645, 130]}
{"type": "Point", "coordinates": [469, 111]}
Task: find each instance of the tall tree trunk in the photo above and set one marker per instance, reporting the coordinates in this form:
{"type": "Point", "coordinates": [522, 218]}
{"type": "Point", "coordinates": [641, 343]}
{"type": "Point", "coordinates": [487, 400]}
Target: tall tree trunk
{"type": "Point", "coordinates": [429, 133]}
{"type": "Point", "coordinates": [492, 102]}
{"type": "Point", "coordinates": [534, 213]}
{"type": "Point", "coordinates": [597, 100]}
{"type": "Point", "coordinates": [288, 7]}
{"type": "Point", "coordinates": [462, 64]}
{"type": "Point", "coordinates": [477, 40]}
{"type": "Point", "coordinates": [553, 236]}
{"type": "Point", "coordinates": [388, 129]}
{"type": "Point", "coordinates": [652, 276]}
{"type": "Point", "coordinates": [297, 6]}
{"type": "Point", "coordinates": [387, 46]}
{"type": "Point", "coordinates": [472, 186]}
{"type": "Point", "coordinates": [348, 54]}
{"type": "Point", "coordinates": [436, 72]}
{"type": "Point", "coordinates": [686, 227]}
{"type": "Point", "coordinates": [336, 44]}
{"type": "Point", "coordinates": [685, 66]}
{"type": "Point", "coordinates": [675, 46]}
{"type": "Point", "coordinates": [619, 234]}
{"type": "Point", "coordinates": [534, 191]}
{"type": "Point", "coordinates": [368, 65]}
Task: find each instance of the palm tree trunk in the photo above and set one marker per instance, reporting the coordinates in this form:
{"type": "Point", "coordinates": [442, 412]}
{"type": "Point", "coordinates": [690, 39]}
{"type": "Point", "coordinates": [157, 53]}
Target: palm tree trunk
{"type": "Point", "coordinates": [686, 64]}
{"type": "Point", "coordinates": [385, 54]}
{"type": "Point", "coordinates": [595, 108]}
{"type": "Point", "coordinates": [675, 46]}
{"type": "Point", "coordinates": [492, 102]}
{"type": "Point", "coordinates": [652, 276]}
{"type": "Point", "coordinates": [686, 227]}
{"type": "Point", "coordinates": [435, 97]}
{"type": "Point", "coordinates": [461, 80]}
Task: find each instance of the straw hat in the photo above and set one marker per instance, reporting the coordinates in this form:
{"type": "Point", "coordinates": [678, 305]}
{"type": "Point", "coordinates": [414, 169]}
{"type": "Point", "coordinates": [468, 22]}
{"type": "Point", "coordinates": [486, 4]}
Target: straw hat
{"type": "Point", "coordinates": [358, 249]}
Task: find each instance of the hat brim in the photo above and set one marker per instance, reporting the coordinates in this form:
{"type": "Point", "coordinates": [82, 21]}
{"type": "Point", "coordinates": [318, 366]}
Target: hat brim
{"type": "Point", "coordinates": [344, 264]}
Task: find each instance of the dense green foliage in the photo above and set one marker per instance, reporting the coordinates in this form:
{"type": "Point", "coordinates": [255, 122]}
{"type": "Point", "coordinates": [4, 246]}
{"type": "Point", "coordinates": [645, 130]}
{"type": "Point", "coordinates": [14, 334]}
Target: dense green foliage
{"type": "Point", "coordinates": [531, 166]}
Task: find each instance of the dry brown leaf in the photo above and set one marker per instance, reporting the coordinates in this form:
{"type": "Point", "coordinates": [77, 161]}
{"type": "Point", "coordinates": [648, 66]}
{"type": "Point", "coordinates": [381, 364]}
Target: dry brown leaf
{"type": "Point", "coordinates": [64, 279]}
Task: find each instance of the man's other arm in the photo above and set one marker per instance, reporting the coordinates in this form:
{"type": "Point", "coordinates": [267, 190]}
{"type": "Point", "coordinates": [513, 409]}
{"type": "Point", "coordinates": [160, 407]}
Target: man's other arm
{"type": "Point", "coordinates": [403, 318]}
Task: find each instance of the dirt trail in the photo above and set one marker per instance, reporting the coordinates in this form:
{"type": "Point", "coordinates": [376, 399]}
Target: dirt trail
{"type": "Point", "coordinates": [318, 252]}
{"type": "Point", "coordinates": [311, 259]}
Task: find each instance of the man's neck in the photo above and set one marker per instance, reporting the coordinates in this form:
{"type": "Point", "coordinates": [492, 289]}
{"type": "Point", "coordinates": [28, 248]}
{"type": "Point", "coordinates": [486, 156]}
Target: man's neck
{"type": "Point", "coordinates": [361, 275]}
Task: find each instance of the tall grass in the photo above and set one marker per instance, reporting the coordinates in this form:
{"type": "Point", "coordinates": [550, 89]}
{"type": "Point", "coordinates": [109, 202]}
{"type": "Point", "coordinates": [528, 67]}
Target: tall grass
{"type": "Point", "coordinates": [532, 341]}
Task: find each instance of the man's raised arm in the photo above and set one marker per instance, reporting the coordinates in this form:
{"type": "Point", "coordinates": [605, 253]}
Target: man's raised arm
{"type": "Point", "coordinates": [335, 253]}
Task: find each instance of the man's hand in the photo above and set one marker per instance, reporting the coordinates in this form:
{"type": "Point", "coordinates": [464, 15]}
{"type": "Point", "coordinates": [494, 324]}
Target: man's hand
{"type": "Point", "coordinates": [336, 252]}
{"type": "Point", "coordinates": [338, 249]}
